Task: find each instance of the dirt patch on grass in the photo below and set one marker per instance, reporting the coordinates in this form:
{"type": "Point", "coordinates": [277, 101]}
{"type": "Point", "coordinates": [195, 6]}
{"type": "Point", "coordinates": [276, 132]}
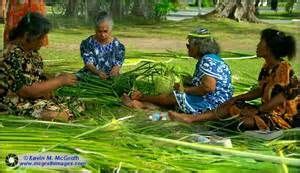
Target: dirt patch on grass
{"type": "Point", "coordinates": [154, 44]}
{"type": "Point", "coordinates": [143, 44]}
{"type": "Point", "coordinates": [163, 44]}
{"type": "Point", "coordinates": [64, 47]}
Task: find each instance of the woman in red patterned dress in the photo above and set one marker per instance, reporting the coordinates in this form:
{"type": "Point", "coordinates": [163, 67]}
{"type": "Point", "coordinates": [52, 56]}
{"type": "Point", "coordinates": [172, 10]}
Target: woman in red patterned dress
{"type": "Point", "coordinates": [16, 10]}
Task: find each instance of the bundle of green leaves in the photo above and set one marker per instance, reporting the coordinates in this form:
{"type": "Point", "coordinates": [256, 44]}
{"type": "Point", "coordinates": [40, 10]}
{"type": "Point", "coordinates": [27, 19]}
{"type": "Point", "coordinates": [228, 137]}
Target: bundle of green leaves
{"type": "Point", "coordinates": [150, 78]}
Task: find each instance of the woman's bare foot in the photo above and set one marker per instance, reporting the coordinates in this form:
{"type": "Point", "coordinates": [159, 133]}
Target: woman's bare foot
{"type": "Point", "coordinates": [126, 100]}
{"type": "Point", "coordinates": [62, 116]}
{"type": "Point", "coordinates": [136, 95]}
{"type": "Point", "coordinates": [149, 106]}
{"type": "Point", "coordinates": [175, 116]}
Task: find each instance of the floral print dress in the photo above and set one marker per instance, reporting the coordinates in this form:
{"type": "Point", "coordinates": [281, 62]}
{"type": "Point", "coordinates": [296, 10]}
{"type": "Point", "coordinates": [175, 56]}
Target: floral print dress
{"type": "Point", "coordinates": [213, 66]}
{"type": "Point", "coordinates": [103, 56]}
{"type": "Point", "coordinates": [18, 69]}
{"type": "Point", "coordinates": [273, 81]}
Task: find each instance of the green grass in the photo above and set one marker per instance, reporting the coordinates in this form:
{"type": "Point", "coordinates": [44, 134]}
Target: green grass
{"type": "Point", "coordinates": [120, 143]}
{"type": "Point", "coordinates": [280, 15]}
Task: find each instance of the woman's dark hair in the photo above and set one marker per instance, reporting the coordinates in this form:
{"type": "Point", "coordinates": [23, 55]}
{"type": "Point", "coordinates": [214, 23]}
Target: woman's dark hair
{"type": "Point", "coordinates": [279, 43]}
{"type": "Point", "coordinates": [33, 24]}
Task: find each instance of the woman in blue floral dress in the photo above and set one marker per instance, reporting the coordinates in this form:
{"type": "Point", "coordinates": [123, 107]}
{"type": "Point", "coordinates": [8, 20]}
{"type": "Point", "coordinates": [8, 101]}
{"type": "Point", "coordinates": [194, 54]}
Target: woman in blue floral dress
{"type": "Point", "coordinates": [102, 54]}
{"type": "Point", "coordinates": [211, 82]}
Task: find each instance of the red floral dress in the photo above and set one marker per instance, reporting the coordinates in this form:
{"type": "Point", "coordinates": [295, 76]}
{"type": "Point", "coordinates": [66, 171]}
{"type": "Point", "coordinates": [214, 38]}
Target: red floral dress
{"type": "Point", "coordinates": [19, 8]}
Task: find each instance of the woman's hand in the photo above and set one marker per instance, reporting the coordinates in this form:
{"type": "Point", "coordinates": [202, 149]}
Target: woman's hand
{"type": "Point", "coordinates": [99, 73]}
{"type": "Point", "coordinates": [208, 85]}
{"type": "Point", "coordinates": [249, 112]}
{"type": "Point", "coordinates": [187, 81]}
{"type": "Point", "coordinates": [67, 79]}
{"type": "Point", "coordinates": [45, 88]}
{"type": "Point", "coordinates": [232, 100]}
{"type": "Point", "coordinates": [102, 75]}
{"type": "Point", "coordinates": [275, 101]}
{"type": "Point", "coordinates": [178, 87]}
{"type": "Point", "coordinates": [115, 71]}
{"type": "Point", "coordinates": [136, 95]}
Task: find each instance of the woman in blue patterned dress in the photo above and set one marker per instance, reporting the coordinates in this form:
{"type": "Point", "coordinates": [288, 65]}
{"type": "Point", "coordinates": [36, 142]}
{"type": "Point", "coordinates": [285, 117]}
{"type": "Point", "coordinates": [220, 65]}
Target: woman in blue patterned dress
{"type": "Point", "coordinates": [278, 88]}
{"type": "Point", "coordinates": [211, 82]}
{"type": "Point", "coordinates": [102, 54]}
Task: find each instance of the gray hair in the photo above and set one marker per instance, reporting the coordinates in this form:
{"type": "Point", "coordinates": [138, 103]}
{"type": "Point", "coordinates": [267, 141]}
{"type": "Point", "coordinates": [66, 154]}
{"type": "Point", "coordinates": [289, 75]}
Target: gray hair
{"type": "Point", "coordinates": [202, 39]}
{"type": "Point", "coordinates": [104, 17]}
{"type": "Point", "coordinates": [206, 45]}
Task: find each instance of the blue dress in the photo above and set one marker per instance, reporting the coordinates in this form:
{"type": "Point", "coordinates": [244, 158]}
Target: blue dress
{"type": "Point", "coordinates": [103, 56]}
{"type": "Point", "coordinates": [211, 65]}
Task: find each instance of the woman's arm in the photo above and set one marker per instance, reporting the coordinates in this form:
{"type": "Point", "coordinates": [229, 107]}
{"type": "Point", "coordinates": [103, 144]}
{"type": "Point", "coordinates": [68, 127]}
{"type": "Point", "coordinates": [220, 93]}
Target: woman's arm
{"type": "Point", "coordinates": [99, 73]}
{"type": "Point", "coordinates": [88, 57]}
{"type": "Point", "coordinates": [251, 95]}
{"type": "Point", "coordinates": [273, 103]}
{"type": "Point", "coordinates": [119, 59]}
{"type": "Point", "coordinates": [41, 89]}
{"type": "Point", "coordinates": [208, 84]}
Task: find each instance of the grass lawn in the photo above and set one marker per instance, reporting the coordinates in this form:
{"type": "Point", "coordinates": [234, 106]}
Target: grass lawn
{"type": "Point", "coordinates": [109, 144]}
{"type": "Point", "coordinates": [279, 15]}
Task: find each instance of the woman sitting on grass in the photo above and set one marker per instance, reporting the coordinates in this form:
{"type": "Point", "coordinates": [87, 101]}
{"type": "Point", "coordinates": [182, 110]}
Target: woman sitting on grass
{"type": "Point", "coordinates": [278, 89]}
{"type": "Point", "coordinates": [102, 54]}
{"type": "Point", "coordinates": [210, 85]}
{"type": "Point", "coordinates": [24, 89]}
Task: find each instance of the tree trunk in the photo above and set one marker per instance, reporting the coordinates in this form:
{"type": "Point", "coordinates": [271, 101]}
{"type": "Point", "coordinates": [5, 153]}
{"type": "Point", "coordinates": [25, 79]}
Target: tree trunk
{"type": "Point", "coordinates": [86, 12]}
{"type": "Point", "coordinates": [2, 10]}
{"type": "Point", "coordinates": [256, 6]}
{"type": "Point", "coordinates": [274, 5]}
{"type": "Point", "coordinates": [127, 7]}
{"type": "Point", "coordinates": [92, 8]}
{"type": "Point", "coordinates": [71, 8]}
{"type": "Point", "coordinates": [289, 6]}
{"type": "Point", "coordinates": [138, 8]}
{"type": "Point", "coordinates": [143, 8]}
{"type": "Point", "coordinates": [117, 8]}
{"type": "Point", "coordinates": [237, 10]}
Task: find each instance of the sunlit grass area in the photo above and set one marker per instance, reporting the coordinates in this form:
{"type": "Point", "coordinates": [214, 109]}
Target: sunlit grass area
{"type": "Point", "coordinates": [110, 142]}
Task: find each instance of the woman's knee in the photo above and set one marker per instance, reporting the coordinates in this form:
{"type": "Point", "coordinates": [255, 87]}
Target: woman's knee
{"type": "Point", "coordinates": [226, 111]}
{"type": "Point", "coordinates": [63, 115]}
{"type": "Point", "coordinates": [248, 122]}
{"type": "Point", "coordinates": [168, 99]}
